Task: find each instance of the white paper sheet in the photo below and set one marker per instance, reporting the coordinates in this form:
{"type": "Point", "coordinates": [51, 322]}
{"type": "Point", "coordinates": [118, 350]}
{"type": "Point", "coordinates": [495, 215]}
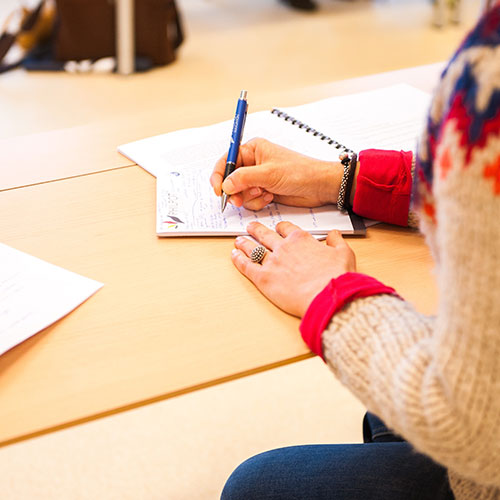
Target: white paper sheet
{"type": "Point", "coordinates": [34, 294]}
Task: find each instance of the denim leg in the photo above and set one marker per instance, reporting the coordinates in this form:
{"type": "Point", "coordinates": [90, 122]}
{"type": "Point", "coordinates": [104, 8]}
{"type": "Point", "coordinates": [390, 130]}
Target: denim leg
{"type": "Point", "coordinates": [375, 431]}
{"type": "Point", "coordinates": [377, 471]}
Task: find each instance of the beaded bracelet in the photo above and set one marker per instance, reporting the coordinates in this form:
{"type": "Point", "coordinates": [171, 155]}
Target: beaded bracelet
{"type": "Point", "coordinates": [349, 163]}
{"type": "Point", "coordinates": [352, 170]}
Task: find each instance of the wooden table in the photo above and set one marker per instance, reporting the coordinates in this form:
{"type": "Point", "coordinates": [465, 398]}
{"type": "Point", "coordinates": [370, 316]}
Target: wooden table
{"type": "Point", "coordinates": [174, 315]}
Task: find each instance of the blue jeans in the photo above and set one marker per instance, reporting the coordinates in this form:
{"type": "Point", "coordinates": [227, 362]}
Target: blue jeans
{"type": "Point", "coordinates": [384, 468]}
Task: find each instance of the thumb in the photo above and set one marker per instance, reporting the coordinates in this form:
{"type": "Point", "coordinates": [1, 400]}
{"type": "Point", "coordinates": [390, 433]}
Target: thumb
{"type": "Point", "coordinates": [247, 177]}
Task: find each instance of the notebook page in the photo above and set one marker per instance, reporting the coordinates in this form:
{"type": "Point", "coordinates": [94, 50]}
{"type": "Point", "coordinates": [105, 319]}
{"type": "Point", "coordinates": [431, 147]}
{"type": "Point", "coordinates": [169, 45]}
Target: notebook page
{"type": "Point", "coordinates": [205, 145]}
{"type": "Point", "coordinates": [186, 205]}
{"type": "Point", "coordinates": [388, 118]}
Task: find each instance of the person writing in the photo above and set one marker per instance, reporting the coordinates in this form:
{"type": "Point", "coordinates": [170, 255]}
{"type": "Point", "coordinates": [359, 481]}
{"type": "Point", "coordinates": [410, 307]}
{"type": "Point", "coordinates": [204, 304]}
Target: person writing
{"type": "Point", "coordinates": [431, 384]}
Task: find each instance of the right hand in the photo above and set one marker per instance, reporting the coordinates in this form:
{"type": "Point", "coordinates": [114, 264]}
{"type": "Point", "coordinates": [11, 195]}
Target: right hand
{"type": "Point", "coordinates": [267, 172]}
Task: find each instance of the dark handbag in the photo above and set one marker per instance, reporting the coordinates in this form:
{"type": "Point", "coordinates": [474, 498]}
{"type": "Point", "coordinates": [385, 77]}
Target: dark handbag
{"type": "Point", "coordinates": [85, 29]}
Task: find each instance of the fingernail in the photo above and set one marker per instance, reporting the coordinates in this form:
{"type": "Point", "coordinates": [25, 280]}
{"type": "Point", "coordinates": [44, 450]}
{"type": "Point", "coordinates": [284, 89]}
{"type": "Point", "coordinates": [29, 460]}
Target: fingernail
{"type": "Point", "coordinates": [255, 191]}
{"type": "Point", "coordinates": [268, 197]}
{"type": "Point", "coordinates": [239, 240]}
{"type": "Point", "coordinates": [234, 252]}
{"type": "Point", "coordinates": [228, 186]}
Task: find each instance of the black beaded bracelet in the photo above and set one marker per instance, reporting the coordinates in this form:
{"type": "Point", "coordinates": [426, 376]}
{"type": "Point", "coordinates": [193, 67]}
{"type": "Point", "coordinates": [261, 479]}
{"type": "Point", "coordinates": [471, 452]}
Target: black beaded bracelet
{"type": "Point", "coordinates": [349, 163]}
{"type": "Point", "coordinates": [352, 170]}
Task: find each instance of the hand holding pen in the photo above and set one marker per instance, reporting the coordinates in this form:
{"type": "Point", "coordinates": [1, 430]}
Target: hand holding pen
{"type": "Point", "coordinates": [267, 172]}
{"type": "Point", "coordinates": [236, 135]}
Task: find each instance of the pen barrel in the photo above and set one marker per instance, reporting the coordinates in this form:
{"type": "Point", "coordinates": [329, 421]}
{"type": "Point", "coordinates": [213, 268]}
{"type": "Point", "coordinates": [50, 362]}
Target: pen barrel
{"type": "Point", "coordinates": [230, 166]}
{"type": "Point", "coordinates": [237, 132]}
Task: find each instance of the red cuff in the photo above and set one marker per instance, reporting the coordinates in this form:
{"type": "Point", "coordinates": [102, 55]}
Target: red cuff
{"type": "Point", "coordinates": [383, 186]}
{"type": "Point", "coordinates": [339, 292]}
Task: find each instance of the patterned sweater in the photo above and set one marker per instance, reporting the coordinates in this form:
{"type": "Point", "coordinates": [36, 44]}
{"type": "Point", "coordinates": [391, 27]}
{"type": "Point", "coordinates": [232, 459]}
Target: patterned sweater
{"type": "Point", "coordinates": [436, 380]}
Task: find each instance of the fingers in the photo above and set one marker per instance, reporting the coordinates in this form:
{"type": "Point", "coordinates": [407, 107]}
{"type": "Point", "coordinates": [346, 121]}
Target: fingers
{"type": "Point", "coordinates": [253, 199]}
{"type": "Point", "coordinates": [246, 245]}
{"type": "Point", "coordinates": [244, 265]}
{"type": "Point", "coordinates": [248, 151]}
{"type": "Point", "coordinates": [256, 199]}
{"type": "Point", "coordinates": [262, 175]}
{"type": "Point", "coordinates": [217, 175]}
{"type": "Point", "coordinates": [241, 256]}
{"type": "Point", "coordinates": [216, 182]}
{"type": "Point", "coordinates": [236, 200]}
{"type": "Point", "coordinates": [240, 180]}
{"type": "Point", "coordinates": [286, 228]}
{"type": "Point", "coordinates": [334, 239]}
{"type": "Point", "coordinates": [246, 156]}
{"type": "Point", "coordinates": [269, 238]}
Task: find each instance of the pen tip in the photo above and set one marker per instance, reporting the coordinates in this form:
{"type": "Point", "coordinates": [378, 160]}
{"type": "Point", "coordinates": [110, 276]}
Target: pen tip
{"type": "Point", "coordinates": [223, 202]}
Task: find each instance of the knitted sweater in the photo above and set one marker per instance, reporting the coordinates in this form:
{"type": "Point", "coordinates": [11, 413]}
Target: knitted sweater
{"type": "Point", "coordinates": [436, 380]}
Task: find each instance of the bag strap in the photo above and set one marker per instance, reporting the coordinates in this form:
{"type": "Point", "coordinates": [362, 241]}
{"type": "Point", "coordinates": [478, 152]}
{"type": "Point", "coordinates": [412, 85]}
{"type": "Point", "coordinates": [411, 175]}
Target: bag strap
{"type": "Point", "coordinates": [7, 39]}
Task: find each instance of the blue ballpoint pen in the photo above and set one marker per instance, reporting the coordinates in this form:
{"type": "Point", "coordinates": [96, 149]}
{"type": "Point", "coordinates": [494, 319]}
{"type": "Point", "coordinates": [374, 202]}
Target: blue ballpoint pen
{"type": "Point", "coordinates": [236, 135]}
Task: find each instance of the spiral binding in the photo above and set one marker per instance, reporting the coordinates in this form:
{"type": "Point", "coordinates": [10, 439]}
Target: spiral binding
{"type": "Point", "coordinates": [341, 148]}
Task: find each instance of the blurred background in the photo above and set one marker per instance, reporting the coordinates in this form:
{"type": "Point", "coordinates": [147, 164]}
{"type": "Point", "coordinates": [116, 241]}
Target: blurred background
{"type": "Point", "coordinates": [185, 448]}
{"type": "Point", "coordinates": [262, 46]}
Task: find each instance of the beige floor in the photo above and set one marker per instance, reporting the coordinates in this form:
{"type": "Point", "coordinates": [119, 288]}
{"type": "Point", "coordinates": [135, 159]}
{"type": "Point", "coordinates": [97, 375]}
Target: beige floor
{"type": "Point", "coordinates": [184, 448]}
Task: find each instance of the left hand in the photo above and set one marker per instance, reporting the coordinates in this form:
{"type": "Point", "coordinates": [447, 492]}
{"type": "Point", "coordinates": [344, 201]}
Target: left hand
{"type": "Point", "coordinates": [296, 266]}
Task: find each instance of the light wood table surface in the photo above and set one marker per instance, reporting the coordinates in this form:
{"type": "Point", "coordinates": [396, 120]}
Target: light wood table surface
{"type": "Point", "coordinates": [69, 152]}
{"type": "Point", "coordinates": [174, 315]}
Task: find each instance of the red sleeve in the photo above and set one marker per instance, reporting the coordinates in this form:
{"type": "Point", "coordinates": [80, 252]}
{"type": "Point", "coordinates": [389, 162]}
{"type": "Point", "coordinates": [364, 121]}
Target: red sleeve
{"type": "Point", "coordinates": [333, 298]}
{"type": "Point", "coordinates": [383, 186]}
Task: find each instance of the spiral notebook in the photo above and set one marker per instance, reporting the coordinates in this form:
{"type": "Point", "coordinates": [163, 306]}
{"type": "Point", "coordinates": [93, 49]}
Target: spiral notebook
{"type": "Point", "coordinates": [183, 160]}
{"type": "Point", "coordinates": [341, 148]}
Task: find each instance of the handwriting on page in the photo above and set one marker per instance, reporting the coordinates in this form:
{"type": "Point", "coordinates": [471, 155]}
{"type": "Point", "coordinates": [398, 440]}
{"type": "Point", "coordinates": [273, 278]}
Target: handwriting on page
{"type": "Point", "coordinates": [186, 204]}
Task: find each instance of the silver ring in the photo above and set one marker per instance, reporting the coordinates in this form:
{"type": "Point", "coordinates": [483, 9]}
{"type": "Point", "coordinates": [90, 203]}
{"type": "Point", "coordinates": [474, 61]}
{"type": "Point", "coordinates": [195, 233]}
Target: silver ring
{"type": "Point", "coordinates": [258, 254]}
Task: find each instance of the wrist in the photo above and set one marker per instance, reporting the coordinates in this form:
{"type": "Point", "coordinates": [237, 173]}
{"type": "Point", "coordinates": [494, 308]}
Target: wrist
{"type": "Point", "coordinates": [338, 293]}
{"type": "Point", "coordinates": [329, 182]}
